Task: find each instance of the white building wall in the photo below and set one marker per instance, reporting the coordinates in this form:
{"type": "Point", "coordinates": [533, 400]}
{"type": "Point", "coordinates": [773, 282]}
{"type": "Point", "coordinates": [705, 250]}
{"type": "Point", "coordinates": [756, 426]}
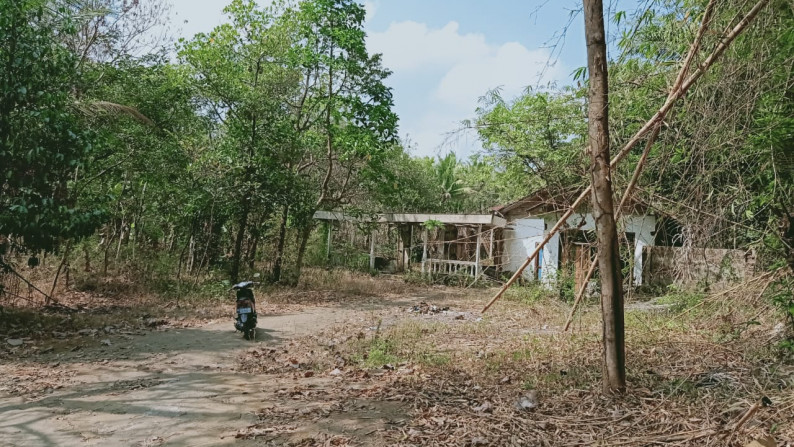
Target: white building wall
{"type": "Point", "coordinates": [528, 232]}
{"type": "Point", "coordinates": [551, 259]}
{"type": "Point", "coordinates": [644, 228]}
{"type": "Point", "coordinates": [521, 241]}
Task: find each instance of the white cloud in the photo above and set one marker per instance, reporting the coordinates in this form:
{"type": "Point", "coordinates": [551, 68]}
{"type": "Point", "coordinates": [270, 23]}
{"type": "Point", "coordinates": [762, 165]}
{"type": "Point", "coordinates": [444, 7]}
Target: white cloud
{"type": "Point", "coordinates": [370, 8]}
{"type": "Point", "coordinates": [511, 66]}
{"type": "Point", "coordinates": [440, 73]}
{"type": "Point", "coordinates": [410, 46]}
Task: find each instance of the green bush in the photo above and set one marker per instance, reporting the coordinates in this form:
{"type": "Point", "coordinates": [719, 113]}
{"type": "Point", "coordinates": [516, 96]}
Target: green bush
{"type": "Point", "coordinates": [681, 299]}
{"type": "Point", "coordinates": [529, 293]}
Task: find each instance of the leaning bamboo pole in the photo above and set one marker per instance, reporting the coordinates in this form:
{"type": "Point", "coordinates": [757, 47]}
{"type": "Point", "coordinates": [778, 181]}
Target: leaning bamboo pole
{"type": "Point", "coordinates": [634, 178]}
{"type": "Point", "coordinates": [655, 120]}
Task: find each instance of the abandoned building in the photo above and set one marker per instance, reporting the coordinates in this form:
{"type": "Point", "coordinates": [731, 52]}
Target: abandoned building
{"type": "Point", "coordinates": [441, 244]}
{"type": "Point", "coordinates": [497, 244]}
{"type": "Point", "coordinates": [530, 218]}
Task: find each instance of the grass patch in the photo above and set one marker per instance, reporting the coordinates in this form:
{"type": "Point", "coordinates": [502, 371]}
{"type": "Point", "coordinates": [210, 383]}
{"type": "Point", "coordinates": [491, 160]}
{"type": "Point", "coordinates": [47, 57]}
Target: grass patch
{"type": "Point", "coordinates": [680, 299]}
{"type": "Point", "coordinates": [531, 293]}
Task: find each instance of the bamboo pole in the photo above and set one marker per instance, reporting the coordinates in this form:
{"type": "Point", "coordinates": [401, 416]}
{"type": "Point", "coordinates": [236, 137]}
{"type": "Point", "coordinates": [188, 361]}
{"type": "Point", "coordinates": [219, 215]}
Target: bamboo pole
{"type": "Point", "coordinates": [693, 49]}
{"type": "Point", "coordinates": [653, 121]}
{"type": "Point", "coordinates": [634, 179]}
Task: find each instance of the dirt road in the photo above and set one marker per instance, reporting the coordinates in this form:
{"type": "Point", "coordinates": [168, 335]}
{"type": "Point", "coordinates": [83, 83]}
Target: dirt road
{"type": "Point", "coordinates": [173, 387]}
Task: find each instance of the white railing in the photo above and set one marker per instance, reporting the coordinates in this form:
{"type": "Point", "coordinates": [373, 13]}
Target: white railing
{"type": "Point", "coordinates": [449, 267]}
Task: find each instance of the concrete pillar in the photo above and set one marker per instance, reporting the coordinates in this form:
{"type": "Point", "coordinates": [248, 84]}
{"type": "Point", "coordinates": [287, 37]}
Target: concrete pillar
{"type": "Point", "coordinates": [477, 253]}
{"type": "Point", "coordinates": [424, 251]}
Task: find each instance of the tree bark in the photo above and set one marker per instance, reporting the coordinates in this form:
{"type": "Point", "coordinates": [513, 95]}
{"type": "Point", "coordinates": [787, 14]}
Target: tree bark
{"type": "Point", "coordinates": [603, 207]}
{"type": "Point", "coordinates": [86, 257]}
{"type": "Point", "coordinates": [282, 236]}
{"type": "Point", "coordinates": [234, 273]}
{"type": "Point", "coordinates": [304, 239]}
{"type": "Point", "coordinates": [64, 261]}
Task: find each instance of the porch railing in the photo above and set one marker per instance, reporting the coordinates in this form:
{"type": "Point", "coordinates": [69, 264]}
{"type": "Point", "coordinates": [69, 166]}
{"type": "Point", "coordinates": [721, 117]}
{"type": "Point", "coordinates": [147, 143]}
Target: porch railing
{"type": "Point", "coordinates": [449, 267]}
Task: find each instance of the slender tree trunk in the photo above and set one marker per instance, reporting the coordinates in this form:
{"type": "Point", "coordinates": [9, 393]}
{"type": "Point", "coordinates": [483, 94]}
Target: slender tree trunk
{"type": "Point", "coordinates": [191, 255]}
{"type": "Point", "coordinates": [108, 244]}
{"type": "Point", "coordinates": [282, 236]}
{"type": "Point", "coordinates": [121, 239]}
{"type": "Point", "coordinates": [86, 257]}
{"type": "Point", "coordinates": [252, 251]}
{"type": "Point", "coordinates": [603, 208]}
{"type": "Point", "coordinates": [136, 221]}
{"type": "Point", "coordinates": [254, 236]}
{"type": "Point", "coordinates": [304, 239]}
{"type": "Point", "coordinates": [238, 241]}
{"type": "Point", "coordinates": [179, 267]}
{"type": "Point", "coordinates": [171, 239]}
{"type": "Point", "coordinates": [64, 260]}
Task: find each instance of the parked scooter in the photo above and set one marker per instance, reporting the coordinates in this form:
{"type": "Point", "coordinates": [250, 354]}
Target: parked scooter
{"type": "Point", "coordinates": [245, 320]}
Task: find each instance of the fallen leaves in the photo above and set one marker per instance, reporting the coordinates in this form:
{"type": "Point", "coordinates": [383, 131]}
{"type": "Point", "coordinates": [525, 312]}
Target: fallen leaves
{"type": "Point", "coordinates": [253, 431]}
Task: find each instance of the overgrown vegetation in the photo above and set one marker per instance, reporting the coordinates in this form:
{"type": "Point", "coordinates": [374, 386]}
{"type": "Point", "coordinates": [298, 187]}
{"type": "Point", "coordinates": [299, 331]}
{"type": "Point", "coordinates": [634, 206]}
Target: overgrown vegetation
{"type": "Point", "coordinates": [693, 371]}
{"type": "Point", "coordinates": [142, 176]}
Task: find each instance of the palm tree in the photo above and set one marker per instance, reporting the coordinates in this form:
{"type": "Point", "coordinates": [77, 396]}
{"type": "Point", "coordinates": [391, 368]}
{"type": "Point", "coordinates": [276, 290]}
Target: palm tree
{"type": "Point", "coordinates": [450, 184]}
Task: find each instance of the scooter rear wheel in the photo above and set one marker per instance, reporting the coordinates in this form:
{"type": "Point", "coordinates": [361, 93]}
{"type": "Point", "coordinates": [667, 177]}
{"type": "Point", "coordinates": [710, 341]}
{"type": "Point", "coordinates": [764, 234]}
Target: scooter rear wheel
{"type": "Point", "coordinates": [249, 334]}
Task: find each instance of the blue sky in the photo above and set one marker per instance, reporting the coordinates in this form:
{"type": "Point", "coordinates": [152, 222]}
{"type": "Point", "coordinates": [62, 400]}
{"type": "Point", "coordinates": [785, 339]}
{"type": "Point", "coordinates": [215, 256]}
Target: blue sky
{"type": "Point", "coordinates": [445, 54]}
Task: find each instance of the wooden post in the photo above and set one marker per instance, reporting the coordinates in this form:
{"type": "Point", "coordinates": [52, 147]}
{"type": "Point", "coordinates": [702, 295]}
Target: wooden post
{"type": "Point", "coordinates": [424, 251]}
{"type": "Point", "coordinates": [490, 246]}
{"type": "Point", "coordinates": [372, 250]}
{"type": "Point", "coordinates": [477, 253]}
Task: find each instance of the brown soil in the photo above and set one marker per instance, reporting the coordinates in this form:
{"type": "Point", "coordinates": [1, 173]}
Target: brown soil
{"type": "Point", "coordinates": [177, 386]}
{"type": "Point", "coordinates": [363, 362]}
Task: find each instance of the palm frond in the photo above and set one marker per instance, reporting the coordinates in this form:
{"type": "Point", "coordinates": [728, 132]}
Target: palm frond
{"type": "Point", "coordinates": [112, 108]}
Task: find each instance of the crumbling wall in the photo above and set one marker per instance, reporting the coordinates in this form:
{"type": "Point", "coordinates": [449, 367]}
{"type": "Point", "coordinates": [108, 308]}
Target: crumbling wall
{"type": "Point", "coordinates": [708, 268]}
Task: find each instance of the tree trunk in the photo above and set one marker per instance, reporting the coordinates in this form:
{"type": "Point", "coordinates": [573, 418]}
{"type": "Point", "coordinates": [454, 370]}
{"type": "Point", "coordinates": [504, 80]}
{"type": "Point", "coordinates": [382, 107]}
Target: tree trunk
{"type": "Point", "coordinates": [191, 254]}
{"type": "Point", "coordinates": [304, 239]}
{"type": "Point", "coordinates": [108, 244]}
{"type": "Point", "coordinates": [255, 236]}
{"type": "Point", "coordinates": [64, 261]}
{"type": "Point", "coordinates": [252, 253]}
{"type": "Point", "coordinates": [282, 235]}
{"type": "Point", "coordinates": [238, 242]}
{"type": "Point", "coordinates": [86, 257]}
{"type": "Point", "coordinates": [603, 208]}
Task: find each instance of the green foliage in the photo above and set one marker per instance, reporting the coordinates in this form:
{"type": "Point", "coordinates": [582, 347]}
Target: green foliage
{"type": "Point", "coordinates": [402, 343]}
{"type": "Point", "coordinates": [432, 224]}
{"type": "Point", "coordinates": [531, 293]}
{"type": "Point", "coordinates": [380, 352]}
{"type": "Point", "coordinates": [44, 145]}
{"type": "Point", "coordinates": [681, 299]}
{"type": "Point", "coordinates": [449, 182]}
{"type": "Point", "coordinates": [536, 140]}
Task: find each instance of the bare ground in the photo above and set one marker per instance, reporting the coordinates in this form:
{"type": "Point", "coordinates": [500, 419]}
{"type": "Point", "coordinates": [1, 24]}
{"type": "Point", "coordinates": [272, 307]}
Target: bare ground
{"type": "Point", "coordinates": [349, 364]}
{"type": "Point", "coordinates": [169, 387]}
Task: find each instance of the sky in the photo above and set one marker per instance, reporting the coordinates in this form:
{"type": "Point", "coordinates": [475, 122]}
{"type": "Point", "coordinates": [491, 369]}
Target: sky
{"type": "Point", "coordinates": [446, 54]}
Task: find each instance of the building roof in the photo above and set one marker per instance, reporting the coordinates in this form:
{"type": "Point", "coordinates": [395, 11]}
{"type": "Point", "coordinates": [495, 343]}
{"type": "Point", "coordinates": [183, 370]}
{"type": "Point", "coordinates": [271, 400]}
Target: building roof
{"type": "Point", "coordinates": [547, 201]}
{"type": "Point", "coordinates": [451, 219]}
